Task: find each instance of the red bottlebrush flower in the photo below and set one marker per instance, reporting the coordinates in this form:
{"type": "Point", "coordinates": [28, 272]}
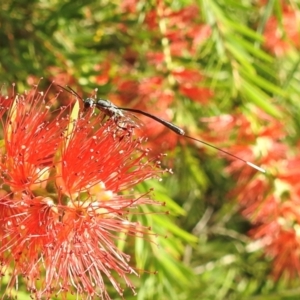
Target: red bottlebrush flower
{"type": "Point", "coordinates": [5, 103]}
{"type": "Point", "coordinates": [199, 34]}
{"type": "Point", "coordinates": [128, 89]}
{"type": "Point", "coordinates": [184, 16]}
{"type": "Point", "coordinates": [197, 94]}
{"type": "Point", "coordinates": [103, 69]}
{"type": "Point", "coordinates": [271, 203]}
{"type": "Point", "coordinates": [179, 47]}
{"type": "Point", "coordinates": [155, 58]}
{"type": "Point", "coordinates": [150, 85]}
{"type": "Point", "coordinates": [60, 208]}
{"type": "Point", "coordinates": [129, 6]}
{"type": "Point", "coordinates": [151, 20]}
{"type": "Point", "coordinates": [280, 40]}
{"type": "Point", "coordinates": [184, 76]}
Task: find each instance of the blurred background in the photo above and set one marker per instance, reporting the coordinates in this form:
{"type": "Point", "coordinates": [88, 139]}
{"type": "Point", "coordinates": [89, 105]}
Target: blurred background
{"type": "Point", "coordinates": [225, 71]}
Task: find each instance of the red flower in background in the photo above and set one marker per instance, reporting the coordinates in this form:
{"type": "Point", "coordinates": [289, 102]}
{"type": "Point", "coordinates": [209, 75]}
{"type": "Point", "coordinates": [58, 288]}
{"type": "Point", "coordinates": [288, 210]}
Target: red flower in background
{"type": "Point", "coordinates": [270, 202]}
{"type": "Point", "coordinates": [103, 77]}
{"type": "Point", "coordinates": [280, 38]}
{"type": "Point", "coordinates": [155, 58]}
{"type": "Point", "coordinates": [195, 93]}
{"type": "Point", "coordinates": [154, 94]}
{"type": "Point", "coordinates": [61, 211]}
{"type": "Point", "coordinates": [188, 81]}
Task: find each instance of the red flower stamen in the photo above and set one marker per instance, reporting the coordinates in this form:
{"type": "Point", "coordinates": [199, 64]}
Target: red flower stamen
{"type": "Point", "coordinates": [61, 212]}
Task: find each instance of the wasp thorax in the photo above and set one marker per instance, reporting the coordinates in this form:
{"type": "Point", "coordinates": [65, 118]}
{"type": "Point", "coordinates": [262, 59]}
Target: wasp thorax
{"type": "Point", "coordinates": [105, 104]}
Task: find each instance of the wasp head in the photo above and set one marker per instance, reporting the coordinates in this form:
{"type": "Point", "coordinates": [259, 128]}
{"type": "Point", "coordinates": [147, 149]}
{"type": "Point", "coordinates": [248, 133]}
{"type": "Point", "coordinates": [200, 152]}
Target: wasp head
{"type": "Point", "coordinates": [89, 102]}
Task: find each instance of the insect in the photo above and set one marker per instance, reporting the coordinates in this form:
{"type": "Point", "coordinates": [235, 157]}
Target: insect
{"type": "Point", "coordinates": [116, 113]}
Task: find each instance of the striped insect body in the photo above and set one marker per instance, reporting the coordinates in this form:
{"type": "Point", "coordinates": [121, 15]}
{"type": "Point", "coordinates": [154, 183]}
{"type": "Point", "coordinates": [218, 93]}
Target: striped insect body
{"type": "Point", "coordinates": [116, 114]}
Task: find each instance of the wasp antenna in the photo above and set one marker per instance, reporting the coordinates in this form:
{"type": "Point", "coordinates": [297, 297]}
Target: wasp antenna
{"type": "Point", "coordinates": [74, 93]}
{"type": "Point", "coordinates": [63, 88]}
{"type": "Point", "coordinates": [71, 91]}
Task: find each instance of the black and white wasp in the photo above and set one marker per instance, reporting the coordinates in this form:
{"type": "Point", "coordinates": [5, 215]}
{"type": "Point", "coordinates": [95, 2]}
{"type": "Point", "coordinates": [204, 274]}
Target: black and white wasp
{"type": "Point", "coordinates": [117, 114]}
